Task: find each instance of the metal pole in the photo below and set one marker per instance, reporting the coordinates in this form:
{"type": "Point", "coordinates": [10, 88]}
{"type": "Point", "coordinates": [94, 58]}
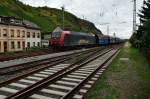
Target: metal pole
{"type": "Point", "coordinates": [107, 29]}
{"type": "Point", "coordinates": [63, 8]}
{"type": "Point", "coordinates": [134, 16]}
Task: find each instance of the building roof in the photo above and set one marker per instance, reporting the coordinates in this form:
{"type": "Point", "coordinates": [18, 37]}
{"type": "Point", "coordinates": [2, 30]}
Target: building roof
{"type": "Point", "coordinates": [57, 29]}
{"type": "Point", "coordinates": [31, 25]}
{"type": "Point", "coordinates": [15, 21]}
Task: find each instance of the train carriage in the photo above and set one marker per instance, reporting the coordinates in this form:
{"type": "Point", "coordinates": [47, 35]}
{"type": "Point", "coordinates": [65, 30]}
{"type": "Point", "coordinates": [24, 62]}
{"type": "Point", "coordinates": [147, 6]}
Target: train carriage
{"type": "Point", "coordinates": [104, 40]}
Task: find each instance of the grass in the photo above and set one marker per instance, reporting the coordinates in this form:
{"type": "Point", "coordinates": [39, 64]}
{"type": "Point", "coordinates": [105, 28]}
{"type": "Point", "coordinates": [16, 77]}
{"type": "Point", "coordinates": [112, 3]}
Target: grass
{"type": "Point", "coordinates": [124, 79]}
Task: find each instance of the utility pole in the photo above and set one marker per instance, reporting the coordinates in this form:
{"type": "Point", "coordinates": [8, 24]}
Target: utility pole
{"type": "Point", "coordinates": [63, 18]}
{"type": "Point", "coordinates": [134, 16]}
{"type": "Point", "coordinates": [83, 17]}
{"type": "Point", "coordinates": [115, 37]}
{"type": "Point", "coordinates": [107, 29]}
{"type": "Point", "coordinates": [114, 34]}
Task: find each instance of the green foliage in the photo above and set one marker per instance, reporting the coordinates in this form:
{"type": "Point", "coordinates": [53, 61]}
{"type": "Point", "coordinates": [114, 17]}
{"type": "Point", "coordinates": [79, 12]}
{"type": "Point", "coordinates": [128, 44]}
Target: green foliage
{"type": "Point", "coordinates": [47, 18]}
{"type": "Point", "coordinates": [145, 12]}
{"type": "Point", "coordinates": [141, 39]}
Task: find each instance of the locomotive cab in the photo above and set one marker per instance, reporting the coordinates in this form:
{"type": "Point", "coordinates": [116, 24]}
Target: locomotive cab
{"type": "Point", "coordinates": [58, 38]}
{"type": "Point", "coordinates": [55, 38]}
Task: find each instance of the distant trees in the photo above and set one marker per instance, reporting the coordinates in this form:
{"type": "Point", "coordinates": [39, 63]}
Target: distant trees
{"type": "Point", "coordinates": [141, 39]}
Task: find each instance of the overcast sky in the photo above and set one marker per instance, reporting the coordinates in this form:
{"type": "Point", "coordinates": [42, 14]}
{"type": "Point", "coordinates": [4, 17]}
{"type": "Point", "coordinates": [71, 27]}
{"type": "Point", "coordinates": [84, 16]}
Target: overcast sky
{"type": "Point", "coordinates": [115, 13]}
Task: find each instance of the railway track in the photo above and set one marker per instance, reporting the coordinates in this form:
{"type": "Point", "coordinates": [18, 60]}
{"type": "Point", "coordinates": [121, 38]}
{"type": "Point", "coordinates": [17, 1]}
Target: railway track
{"type": "Point", "coordinates": [60, 81]}
{"type": "Point", "coordinates": [51, 67]}
{"type": "Point", "coordinates": [18, 68]}
{"type": "Point", "coordinates": [45, 66]}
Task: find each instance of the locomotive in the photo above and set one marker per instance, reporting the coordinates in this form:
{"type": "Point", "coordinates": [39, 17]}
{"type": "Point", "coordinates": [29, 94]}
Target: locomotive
{"type": "Point", "coordinates": [71, 39]}
{"type": "Point", "coordinates": [79, 39]}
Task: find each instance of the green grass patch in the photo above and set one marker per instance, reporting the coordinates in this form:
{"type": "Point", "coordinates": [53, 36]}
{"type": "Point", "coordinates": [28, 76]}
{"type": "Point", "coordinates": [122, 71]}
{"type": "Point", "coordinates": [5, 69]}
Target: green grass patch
{"type": "Point", "coordinates": [124, 79]}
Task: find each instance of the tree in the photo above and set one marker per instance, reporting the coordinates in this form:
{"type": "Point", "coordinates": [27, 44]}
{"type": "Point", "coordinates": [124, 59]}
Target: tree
{"type": "Point", "coordinates": [145, 12]}
{"type": "Point", "coordinates": [142, 37]}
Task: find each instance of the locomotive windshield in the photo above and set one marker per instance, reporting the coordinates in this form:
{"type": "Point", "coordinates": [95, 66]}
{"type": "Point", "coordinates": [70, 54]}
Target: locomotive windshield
{"type": "Point", "coordinates": [55, 34]}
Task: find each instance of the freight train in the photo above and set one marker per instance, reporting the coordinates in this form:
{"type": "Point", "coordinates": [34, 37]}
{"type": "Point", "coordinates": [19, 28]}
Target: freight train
{"type": "Point", "coordinates": [78, 39]}
{"type": "Point", "coordinates": [108, 40]}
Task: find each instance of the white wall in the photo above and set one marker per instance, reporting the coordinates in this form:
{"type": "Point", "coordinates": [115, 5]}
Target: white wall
{"type": "Point", "coordinates": [31, 39]}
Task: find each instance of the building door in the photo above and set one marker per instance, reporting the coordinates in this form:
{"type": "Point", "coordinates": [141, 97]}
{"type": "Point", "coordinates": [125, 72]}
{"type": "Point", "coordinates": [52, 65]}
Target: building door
{"type": "Point", "coordinates": [5, 46]}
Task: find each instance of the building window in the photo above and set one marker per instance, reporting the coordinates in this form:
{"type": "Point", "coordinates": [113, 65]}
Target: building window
{"type": "Point", "coordinates": [0, 32]}
{"type": "Point", "coordinates": [38, 36]}
{"type": "Point", "coordinates": [0, 46]}
{"type": "Point", "coordinates": [39, 44]}
{"type": "Point", "coordinates": [18, 22]}
{"type": "Point", "coordinates": [33, 34]}
{"type": "Point", "coordinates": [18, 33]}
{"type": "Point", "coordinates": [28, 34]}
{"type": "Point", "coordinates": [23, 44]}
{"type": "Point", "coordinates": [23, 33]}
{"type": "Point", "coordinates": [12, 33]}
{"type": "Point", "coordinates": [28, 44]}
{"type": "Point", "coordinates": [12, 45]}
{"type": "Point", "coordinates": [34, 44]}
{"type": "Point", "coordinates": [5, 32]}
{"type": "Point", "coordinates": [3, 20]}
{"type": "Point", "coordinates": [18, 43]}
{"type": "Point", "coordinates": [12, 21]}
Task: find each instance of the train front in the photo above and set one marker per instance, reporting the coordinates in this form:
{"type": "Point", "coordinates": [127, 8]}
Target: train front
{"type": "Point", "coordinates": [56, 39]}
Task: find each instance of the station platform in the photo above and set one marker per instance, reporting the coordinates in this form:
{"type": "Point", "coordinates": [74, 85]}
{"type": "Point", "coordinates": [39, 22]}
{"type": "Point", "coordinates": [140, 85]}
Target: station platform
{"type": "Point", "coordinates": [36, 58]}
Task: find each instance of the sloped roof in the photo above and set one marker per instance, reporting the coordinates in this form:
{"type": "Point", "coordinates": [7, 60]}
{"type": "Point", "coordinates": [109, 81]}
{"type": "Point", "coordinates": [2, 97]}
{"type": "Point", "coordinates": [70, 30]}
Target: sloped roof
{"type": "Point", "coordinates": [29, 24]}
{"type": "Point", "coordinates": [7, 20]}
{"type": "Point", "coordinates": [57, 29]}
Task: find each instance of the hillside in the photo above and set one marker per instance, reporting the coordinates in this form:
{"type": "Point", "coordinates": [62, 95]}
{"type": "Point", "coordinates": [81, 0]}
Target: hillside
{"type": "Point", "coordinates": [47, 18]}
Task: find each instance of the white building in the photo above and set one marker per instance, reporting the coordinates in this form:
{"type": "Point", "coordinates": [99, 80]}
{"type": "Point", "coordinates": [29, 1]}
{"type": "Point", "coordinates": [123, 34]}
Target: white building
{"type": "Point", "coordinates": [33, 37]}
{"type": "Point", "coordinates": [17, 34]}
{"type": "Point", "coordinates": [46, 40]}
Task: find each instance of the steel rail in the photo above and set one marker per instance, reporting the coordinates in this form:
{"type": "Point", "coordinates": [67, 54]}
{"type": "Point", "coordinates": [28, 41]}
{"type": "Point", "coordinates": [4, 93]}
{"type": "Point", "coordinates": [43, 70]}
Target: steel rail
{"type": "Point", "coordinates": [71, 93]}
{"type": "Point", "coordinates": [36, 70]}
{"type": "Point", "coordinates": [33, 88]}
{"type": "Point", "coordinates": [9, 67]}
